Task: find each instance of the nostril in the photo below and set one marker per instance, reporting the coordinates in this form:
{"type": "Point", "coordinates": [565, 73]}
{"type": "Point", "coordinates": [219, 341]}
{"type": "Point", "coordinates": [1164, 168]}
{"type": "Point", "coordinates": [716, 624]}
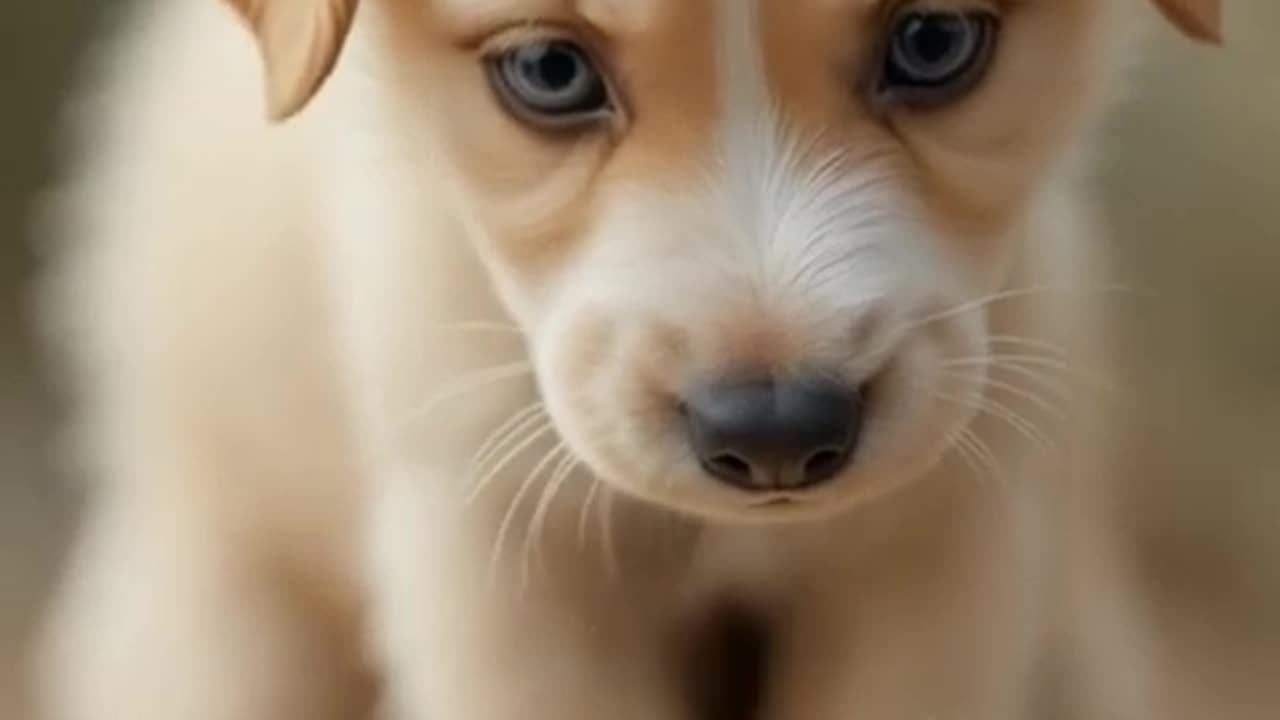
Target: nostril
{"type": "Point", "coordinates": [730, 468]}
{"type": "Point", "coordinates": [823, 465]}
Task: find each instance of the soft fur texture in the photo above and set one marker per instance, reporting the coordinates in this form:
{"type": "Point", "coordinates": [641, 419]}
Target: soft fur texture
{"type": "Point", "coordinates": [379, 398]}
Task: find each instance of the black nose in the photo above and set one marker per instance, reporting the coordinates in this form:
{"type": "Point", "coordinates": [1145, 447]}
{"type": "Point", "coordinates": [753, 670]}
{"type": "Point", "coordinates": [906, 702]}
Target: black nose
{"type": "Point", "coordinates": [784, 435]}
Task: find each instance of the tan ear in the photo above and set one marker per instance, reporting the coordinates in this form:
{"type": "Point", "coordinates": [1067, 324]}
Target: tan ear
{"type": "Point", "coordinates": [299, 41]}
{"type": "Point", "coordinates": [1199, 19]}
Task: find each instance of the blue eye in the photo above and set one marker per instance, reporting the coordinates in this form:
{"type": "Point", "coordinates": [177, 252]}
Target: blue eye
{"type": "Point", "coordinates": [551, 84]}
{"type": "Point", "coordinates": [934, 57]}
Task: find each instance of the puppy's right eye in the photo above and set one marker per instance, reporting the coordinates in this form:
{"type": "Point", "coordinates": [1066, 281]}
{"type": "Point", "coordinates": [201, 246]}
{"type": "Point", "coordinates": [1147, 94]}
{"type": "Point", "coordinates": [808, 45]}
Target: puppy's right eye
{"type": "Point", "coordinates": [933, 57]}
{"type": "Point", "coordinates": [551, 85]}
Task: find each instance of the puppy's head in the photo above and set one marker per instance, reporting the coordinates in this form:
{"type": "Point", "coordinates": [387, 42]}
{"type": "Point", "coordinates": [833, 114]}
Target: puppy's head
{"type": "Point", "coordinates": [748, 239]}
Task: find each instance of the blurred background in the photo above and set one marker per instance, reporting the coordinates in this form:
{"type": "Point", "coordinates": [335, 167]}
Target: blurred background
{"type": "Point", "coordinates": [1192, 190]}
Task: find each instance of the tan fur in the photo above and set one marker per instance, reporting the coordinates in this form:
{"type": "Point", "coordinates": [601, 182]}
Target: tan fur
{"type": "Point", "coordinates": [299, 41]}
{"type": "Point", "coordinates": [1200, 19]}
{"type": "Point", "coordinates": [293, 340]}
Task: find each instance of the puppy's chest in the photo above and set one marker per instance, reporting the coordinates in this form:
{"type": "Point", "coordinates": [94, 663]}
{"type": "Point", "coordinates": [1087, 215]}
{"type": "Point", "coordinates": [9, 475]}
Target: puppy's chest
{"type": "Point", "coordinates": [686, 569]}
{"type": "Point", "coordinates": [741, 588]}
{"type": "Point", "coordinates": [726, 662]}
{"type": "Point", "coordinates": [753, 568]}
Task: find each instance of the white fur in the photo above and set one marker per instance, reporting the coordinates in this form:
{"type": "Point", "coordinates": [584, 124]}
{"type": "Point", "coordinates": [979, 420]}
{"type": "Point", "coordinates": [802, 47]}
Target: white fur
{"type": "Point", "coordinates": [340, 358]}
{"type": "Point", "coordinates": [823, 248]}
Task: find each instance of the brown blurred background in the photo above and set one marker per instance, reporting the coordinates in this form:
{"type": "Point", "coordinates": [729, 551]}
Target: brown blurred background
{"type": "Point", "coordinates": [38, 48]}
{"type": "Point", "coordinates": [1192, 188]}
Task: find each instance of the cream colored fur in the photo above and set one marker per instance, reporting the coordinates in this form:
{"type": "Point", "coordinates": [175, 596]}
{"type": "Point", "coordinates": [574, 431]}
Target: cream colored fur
{"type": "Point", "coordinates": [276, 332]}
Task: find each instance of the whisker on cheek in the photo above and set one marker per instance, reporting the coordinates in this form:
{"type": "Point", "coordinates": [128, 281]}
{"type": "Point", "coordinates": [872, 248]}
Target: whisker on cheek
{"type": "Point", "coordinates": [607, 509]}
{"type": "Point", "coordinates": [500, 439]}
{"type": "Point", "coordinates": [999, 411]}
{"type": "Point", "coordinates": [513, 506]}
{"type": "Point", "coordinates": [995, 469]}
{"type": "Point", "coordinates": [584, 513]}
{"type": "Point", "coordinates": [517, 446]}
{"type": "Point", "coordinates": [511, 424]}
{"type": "Point", "coordinates": [470, 383]}
{"type": "Point", "coordinates": [1028, 395]}
{"type": "Point", "coordinates": [537, 521]}
{"type": "Point", "coordinates": [980, 303]}
{"type": "Point", "coordinates": [1043, 379]}
{"type": "Point", "coordinates": [1025, 364]}
{"type": "Point", "coordinates": [1033, 344]}
{"type": "Point", "coordinates": [979, 459]}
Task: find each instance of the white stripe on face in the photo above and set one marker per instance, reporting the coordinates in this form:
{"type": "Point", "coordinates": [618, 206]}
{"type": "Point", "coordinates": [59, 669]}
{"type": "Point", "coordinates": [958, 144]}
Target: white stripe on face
{"type": "Point", "coordinates": [793, 201]}
{"type": "Point", "coordinates": [740, 60]}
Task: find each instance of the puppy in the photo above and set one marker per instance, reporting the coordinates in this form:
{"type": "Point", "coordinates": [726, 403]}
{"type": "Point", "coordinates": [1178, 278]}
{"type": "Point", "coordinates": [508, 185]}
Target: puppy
{"type": "Point", "coordinates": [533, 359]}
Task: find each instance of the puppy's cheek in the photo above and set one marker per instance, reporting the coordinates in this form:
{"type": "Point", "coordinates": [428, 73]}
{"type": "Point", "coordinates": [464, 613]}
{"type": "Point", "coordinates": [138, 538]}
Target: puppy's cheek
{"type": "Point", "coordinates": [899, 403]}
{"type": "Point", "coordinates": [574, 354]}
{"type": "Point", "coordinates": [652, 362]}
{"type": "Point", "coordinates": [609, 380]}
{"type": "Point", "coordinates": [920, 403]}
{"type": "Point", "coordinates": [530, 205]}
{"type": "Point", "coordinates": [529, 263]}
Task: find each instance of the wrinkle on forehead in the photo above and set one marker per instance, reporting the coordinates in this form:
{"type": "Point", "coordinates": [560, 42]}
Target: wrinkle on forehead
{"type": "Point", "coordinates": [624, 16]}
{"type": "Point", "coordinates": [629, 16]}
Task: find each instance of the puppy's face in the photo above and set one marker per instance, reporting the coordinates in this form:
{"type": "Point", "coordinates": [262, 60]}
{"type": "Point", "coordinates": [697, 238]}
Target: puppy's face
{"type": "Point", "coordinates": [747, 238]}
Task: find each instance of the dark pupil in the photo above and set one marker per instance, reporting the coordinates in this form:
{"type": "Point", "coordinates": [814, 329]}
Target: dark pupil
{"type": "Point", "coordinates": [933, 39]}
{"type": "Point", "coordinates": [550, 67]}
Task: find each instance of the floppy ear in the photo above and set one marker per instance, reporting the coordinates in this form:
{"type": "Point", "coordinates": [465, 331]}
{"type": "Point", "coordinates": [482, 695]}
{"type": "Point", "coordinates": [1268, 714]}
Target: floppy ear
{"type": "Point", "coordinates": [1199, 19]}
{"type": "Point", "coordinates": [299, 41]}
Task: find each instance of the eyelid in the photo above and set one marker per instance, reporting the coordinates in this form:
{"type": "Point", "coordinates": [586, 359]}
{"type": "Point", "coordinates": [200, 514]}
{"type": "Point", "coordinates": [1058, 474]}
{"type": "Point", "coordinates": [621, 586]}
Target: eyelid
{"type": "Point", "coordinates": [513, 36]}
{"type": "Point", "coordinates": [502, 37]}
{"type": "Point", "coordinates": [889, 10]}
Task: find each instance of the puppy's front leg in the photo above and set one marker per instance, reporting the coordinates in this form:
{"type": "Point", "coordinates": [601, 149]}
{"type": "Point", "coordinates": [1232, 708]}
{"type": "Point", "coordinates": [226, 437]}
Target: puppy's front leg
{"type": "Point", "coordinates": [903, 664]}
{"type": "Point", "coordinates": [464, 640]}
{"type": "Point", "coordinates": [940, 631]}
{"type": "Point", "coordinates": [164, 617]}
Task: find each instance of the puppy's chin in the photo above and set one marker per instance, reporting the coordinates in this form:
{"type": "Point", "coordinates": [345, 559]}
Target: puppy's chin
{"type": "Point", "coordinates": [689, 492]}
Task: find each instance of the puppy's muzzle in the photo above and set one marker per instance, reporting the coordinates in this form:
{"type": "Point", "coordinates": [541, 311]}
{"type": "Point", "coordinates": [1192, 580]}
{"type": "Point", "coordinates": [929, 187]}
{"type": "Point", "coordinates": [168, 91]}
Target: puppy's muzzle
{"type": "Point", "coordinates": [780, 435]}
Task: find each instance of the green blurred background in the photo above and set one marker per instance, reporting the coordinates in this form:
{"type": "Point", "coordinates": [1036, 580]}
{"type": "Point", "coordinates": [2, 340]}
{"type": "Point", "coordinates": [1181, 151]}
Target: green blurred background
{"type": "Point", "coordinates": [1192, 189]}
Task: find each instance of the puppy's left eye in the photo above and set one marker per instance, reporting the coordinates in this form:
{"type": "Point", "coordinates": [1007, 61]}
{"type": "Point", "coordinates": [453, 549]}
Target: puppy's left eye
{"type": "Point", "coordinates": [934, 57]}
{"type": "Point", "coordinates": [551, 85]}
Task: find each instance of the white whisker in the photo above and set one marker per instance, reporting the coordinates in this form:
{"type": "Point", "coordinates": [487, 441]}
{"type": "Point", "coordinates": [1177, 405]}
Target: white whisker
{"type": "Point", "coordinates": [584, 513]}
{"type": "Point", "coordinates": [1037, 375]}
{"type": "Point", "coordinates": [1065, 370]}
{"type": "Point", "coordinates": [1014, 390]}
{"type": "Point", "coordinates": [958, 442]}
{"type": "Point", "coordinates": [537, 524]}
{"type": "Point", "coordinates": [502, 436]}
{"type": "Point", "coordinates": [983, 451]}
{"type": "Point", "coordinates": [517, 447]}
{"type": "Point", "coordinates": [471, 383]}
{"type": "Point", "coordinates": [1001, 412]}
{"type": "Point", "coordinates": [605, 515]}
{"type": "Point", "coordinates": [1012, 294]}
{"type": "Point", "coordinates": [500, 538]}
{"type": "Point", "coordinates": [1054, 349]}
{"type": "Point", "coordinates": [536, 519]}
